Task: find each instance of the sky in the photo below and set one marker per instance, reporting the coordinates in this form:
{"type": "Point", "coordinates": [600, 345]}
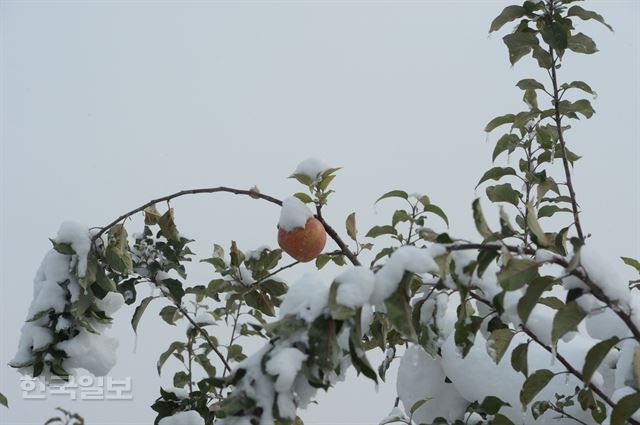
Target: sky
{"type": "Point", "coordinates": [105, 105]}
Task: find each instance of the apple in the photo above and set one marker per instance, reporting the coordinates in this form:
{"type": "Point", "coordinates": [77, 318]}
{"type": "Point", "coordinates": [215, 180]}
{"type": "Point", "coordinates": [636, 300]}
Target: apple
{"type": "Point", "coordinates": [303, 243]}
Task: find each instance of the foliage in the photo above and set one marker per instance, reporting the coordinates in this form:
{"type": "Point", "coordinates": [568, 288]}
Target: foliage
{"type": "Point", "coordinates": [417, 269]}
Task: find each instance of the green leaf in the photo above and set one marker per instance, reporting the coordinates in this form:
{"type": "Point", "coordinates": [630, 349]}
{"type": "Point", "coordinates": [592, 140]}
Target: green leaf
{"type": "Point", "coordinates": [418, 404]}
{"type": "Point", "coordinates": [595, 356]}
{"type": "Point", "coordinates": [498, 342]}
{"type": "Point", "coordinates": [432, 208]}
{"type": "Point", "coordinates": [534, 226]}
{"type": "Point", "coordinates": [151, 215]}
{"type": "Point", "coordinates": [534, 291]}
{"type": "Point", "coordinates": [357, 351]}
{"type": "Point", "coordinates": [394, 194]}
{"type": "Point", "coordinates": [549, 210]}
{"type": "Point", "coordinates": [400, 216]}
{"type": "Point", "coordinates": [175, 345]}
{"type": "Point", "coordinates": [498, 121]}
{"type": "Point", "coordinates": [306, 199]}
{"type": "Point", "coordinates": [534, 384]}
{"type": "Point", "coordinates": [582, 106]}
{"type": "Point", "coordinates": [351, 226]}
{"type": "Point", "coordinates": [503, 193]}
{"type": "Point", "coordinates": [3, 400]}
{"type": "Point", "coordinates": [586, 15]}
{"type": "Point", "coordinates": [399, 310]}
{"type": "Point", "coordinates": [169, 314]}
{"type": "Point", "coordinates": [117, 254]}
{"type": "Point", "coordinates": [625, 408]}
{"type": "Point", "coordinates": [338, 311]}
{"type": "Point", "coordinates": [517, 273]}
{"type": "Point", "coordinates": [519, 45]}
{"type": "Point", "coordinates": [581, 85]}
{"type": "Point", "coordinates": [168, 226]}
{"type": "Point", "coordinates": [508, 142]}
{"type": "Point", "coordinates": [632, 262]}
{"type": "Point", "coordinates": [530, 84]}
{"type": "Point", "coordinates": [519, 359]}
{"type": "Point", "coordinates": [481, 223]}
{"type": "Point", "coordinates": [322, 260]}
{"type": "Point", "coordinates": [581, 43]}
{"type": "Point", "coordinates": [510, 13]}
{"type": "Point", "coordinates": [381, 230]}
{"type": "Point", "coordinates": [555, 36]}
{"type": "Point", "coordinates": [62, 248]}
{"type": "Point", "coordinates": [137, 315]}
{"type": "Point", "coordinates": [496, 173]}
{"type": "Point", "coordinates": [543, 57]}
{"type": "Point", "coordinates": [566, 319]}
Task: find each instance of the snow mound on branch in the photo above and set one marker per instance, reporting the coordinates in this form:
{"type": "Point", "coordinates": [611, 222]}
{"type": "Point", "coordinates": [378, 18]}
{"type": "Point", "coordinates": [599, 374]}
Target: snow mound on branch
{"type": "Point", "coordinates": [404, 259]}
{"type": "Point", "coordinates": [76, 235]}
{"type": "Point", "coordinates": [605, 277]}
{"type": "Point", "coordinates": [52, 314]}
{"type": "Point", "coordinates": [307, 298]}
{"type": "Point", "coordinates": [285, 364]}
{"type": "Point", "coordinates": [190, 417]}
{"type": "Point", "coordinates": [294, 214]}
{"type": "Point", "coordinates": [93, 352]}
{"type": "Point", "coordinates": [477, 376]}
{"type": "Point", "coordinates": [420, 377]}
{"type": "Point", "coordinates": [355, 287]}
{"type": "Point", "coordinates": [311, 167]}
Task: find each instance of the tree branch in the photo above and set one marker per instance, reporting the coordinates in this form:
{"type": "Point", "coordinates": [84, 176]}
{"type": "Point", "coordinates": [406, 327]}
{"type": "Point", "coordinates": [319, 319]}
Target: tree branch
{"type": "Point", "coordinates": [336, 238]}
{"type": "Point", "coordinates": [252, 193]}
{"type": "Point", "coordinates": [204, 334]}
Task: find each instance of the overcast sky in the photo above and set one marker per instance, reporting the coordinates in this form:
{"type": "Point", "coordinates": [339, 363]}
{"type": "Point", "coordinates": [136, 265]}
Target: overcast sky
{"type": "Point", "coordinates": [108, 104]}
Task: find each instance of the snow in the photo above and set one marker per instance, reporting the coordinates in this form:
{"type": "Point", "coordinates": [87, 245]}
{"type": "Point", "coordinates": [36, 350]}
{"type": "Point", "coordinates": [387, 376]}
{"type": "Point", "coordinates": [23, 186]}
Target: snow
{"type": "Point", "coordinates": [285, 364]}
{"type": "Point", "coordinates": [255, 253]}
{"type": "Point", "coordinates": [312, 168]}
{"type": "Point", "coordinates": [181, 393]}
{"type": "Point", "coordinates": [406, 258]}
{"type": "Point", "coordinates": [605, 277]}
{"type": "Point", "coordinates": [110, 303]}
{"type": "Point", "coordinates": [95, 353]}
{"type": "Point", "coordinates": [355, 287]}
{"type": "Point", "coordinates": [204, 319]}
{"type": "Point", "coordinates": [77, 235]}
{"type": "Point", "coordinates": [420, 377]}
{"type": "Point", "coordinates": [190, 417]}
{"type": "Point", "coordinates": [307, 297]}
{"type": "Point", "coordinates": [396, 415]}
{"type": "Point", "coordinates": [294, 214]}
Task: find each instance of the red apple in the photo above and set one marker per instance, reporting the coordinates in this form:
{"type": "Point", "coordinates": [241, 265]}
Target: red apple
{"type": "Point", "coordinates": [303, 243]}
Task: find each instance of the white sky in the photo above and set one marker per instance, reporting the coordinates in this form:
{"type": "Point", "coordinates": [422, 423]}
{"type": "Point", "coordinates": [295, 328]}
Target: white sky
{"type": "Point", "coordinates": [108, 104]}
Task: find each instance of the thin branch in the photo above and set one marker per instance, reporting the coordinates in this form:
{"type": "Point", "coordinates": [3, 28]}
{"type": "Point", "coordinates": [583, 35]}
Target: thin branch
{"type": "Point", "coordinates": [251, 193]}
{"type": "Point", "coordinates": [204, 334]}
{"type": "Point", "coordinates": [336, 238]}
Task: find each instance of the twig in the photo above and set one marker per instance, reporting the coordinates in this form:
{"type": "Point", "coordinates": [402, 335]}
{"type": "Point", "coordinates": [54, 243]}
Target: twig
{"type": "Point", "coordinates": [204, 334]}
{"type": "Point", "coordinates": [251, 193]}
{"type": "Point", "coordinates": [336, 238]}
